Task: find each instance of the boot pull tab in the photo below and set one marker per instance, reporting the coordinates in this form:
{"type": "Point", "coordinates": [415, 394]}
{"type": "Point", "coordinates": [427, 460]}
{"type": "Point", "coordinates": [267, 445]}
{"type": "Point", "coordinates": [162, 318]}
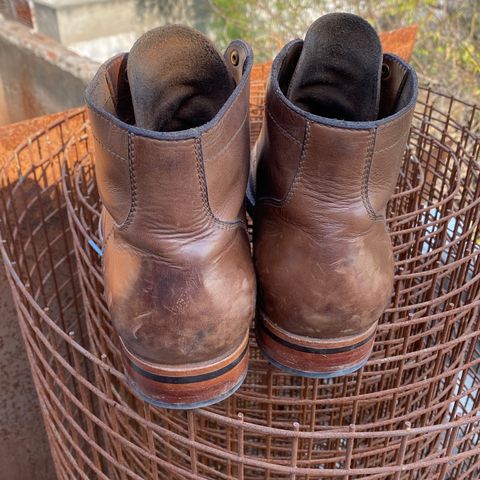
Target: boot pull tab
{"type": "Point", "coordinates": [235, 56]}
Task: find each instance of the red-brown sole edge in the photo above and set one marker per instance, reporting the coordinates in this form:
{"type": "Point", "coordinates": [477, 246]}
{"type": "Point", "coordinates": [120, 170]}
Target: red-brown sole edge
{"type": "Point", "coordinates": [311, 357]}
{"type": "Point", "coordinates": [191, 386]}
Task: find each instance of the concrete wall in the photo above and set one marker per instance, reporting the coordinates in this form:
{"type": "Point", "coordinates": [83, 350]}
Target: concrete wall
{"type": "Point", "coordinates": [38, 75]}
{"type": "Point", "coordinates": [70, 21]}
{"type": "Point", "coordinates": [73, 21]}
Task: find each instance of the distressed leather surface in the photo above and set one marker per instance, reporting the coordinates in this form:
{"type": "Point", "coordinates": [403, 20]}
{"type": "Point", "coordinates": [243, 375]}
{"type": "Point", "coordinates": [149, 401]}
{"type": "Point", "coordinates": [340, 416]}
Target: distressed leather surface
{"type": "Point", "coordinates": [179, 279]}
{"type": "Point", "coordinates": [322, 254]}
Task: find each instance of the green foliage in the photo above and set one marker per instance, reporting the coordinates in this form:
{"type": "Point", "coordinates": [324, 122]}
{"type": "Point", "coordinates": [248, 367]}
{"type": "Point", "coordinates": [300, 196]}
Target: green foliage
{"type": "Point", "coordinates": [447, 50]}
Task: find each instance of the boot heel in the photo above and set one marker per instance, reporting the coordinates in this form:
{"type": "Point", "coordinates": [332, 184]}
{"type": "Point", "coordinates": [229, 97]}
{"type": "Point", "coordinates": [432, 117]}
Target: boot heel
{"type": "Point", "coordinates": [311, 357]}
{"type": "Point", "coordinates": [187, 386]}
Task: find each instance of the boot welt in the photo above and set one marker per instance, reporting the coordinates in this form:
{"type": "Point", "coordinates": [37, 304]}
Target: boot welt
{"type": "Point", "coordinates": [187, 386]}
{"type": "Point", "coordinates": [313, 357]}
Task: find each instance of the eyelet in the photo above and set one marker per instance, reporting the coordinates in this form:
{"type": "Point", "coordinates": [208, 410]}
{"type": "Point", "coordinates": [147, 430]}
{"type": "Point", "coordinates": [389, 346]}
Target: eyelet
{"type": "Point", "coordinates": [234, 57]}
{"type": "Point", "coordinates": [385, 71]}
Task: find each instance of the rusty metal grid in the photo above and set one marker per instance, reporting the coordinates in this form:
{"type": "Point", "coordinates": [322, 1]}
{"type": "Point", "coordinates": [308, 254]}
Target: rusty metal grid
{"type": "Point", "coordinates": [413, 412]}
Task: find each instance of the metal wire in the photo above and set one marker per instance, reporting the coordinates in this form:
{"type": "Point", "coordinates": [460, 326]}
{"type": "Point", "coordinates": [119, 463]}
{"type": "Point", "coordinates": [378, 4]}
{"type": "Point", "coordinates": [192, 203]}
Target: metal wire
{"type": "Point", "coordinates": [411, 413]}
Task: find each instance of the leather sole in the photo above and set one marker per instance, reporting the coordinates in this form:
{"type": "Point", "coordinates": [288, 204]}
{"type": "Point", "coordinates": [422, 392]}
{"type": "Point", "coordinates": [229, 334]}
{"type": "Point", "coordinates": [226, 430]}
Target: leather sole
{"type": "Point", "coordinates": [312, 357]}
{"type": "Point", "coordinates": [187, 386]}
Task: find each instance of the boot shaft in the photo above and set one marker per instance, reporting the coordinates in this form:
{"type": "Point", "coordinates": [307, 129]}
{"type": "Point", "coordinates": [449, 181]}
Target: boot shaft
{"type": "Point", "coordinates": [322, 254]}
{"type": "Point", "coordinates": [331, 168]}
{"type": "Point", "coordinates": [179, 280]}
{"type": "Point", "coordinates": [170, 184]}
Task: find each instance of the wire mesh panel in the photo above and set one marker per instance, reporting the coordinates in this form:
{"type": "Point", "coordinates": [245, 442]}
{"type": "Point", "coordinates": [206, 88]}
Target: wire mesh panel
{"type": "Point", "coordinates": [411, 413]}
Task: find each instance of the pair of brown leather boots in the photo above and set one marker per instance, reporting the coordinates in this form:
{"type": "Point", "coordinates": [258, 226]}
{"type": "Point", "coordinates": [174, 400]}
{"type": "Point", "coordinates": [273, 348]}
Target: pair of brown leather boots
{"type": "Point", "coordinates": [171, 127]}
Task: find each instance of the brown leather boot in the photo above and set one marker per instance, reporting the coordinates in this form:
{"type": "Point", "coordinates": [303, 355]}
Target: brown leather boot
{"type": "Point", "coordinates": [171, 129]}
{"type": "Point", "coordinates": [337, 118]}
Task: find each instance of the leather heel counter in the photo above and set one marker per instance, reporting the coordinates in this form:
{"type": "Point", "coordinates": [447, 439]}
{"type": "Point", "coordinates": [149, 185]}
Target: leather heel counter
{"type": "Point", "coordinates": [322, 291]}
{"type": "Point", "coordinates": [170, 313]}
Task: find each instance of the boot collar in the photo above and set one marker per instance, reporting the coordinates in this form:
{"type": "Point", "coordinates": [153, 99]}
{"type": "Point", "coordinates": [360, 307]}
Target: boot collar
{"type": "Point", "coordinates": [408, 86]}
{"type": "Point", "coordinates": [109, 83]}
